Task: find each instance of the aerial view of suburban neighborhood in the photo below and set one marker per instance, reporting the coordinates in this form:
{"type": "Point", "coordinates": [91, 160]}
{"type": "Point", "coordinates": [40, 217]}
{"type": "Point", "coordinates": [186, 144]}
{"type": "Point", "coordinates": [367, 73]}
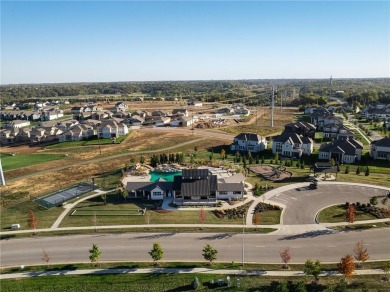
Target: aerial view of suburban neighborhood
{"type": "Point", "coordinates": [195, 146]}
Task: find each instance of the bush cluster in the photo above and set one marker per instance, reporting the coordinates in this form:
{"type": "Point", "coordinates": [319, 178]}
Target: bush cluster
{"type": "Point", "coordinates": [261, 207]}
{"type": "Point", "coordinates": [369, 209]}
{"type": "Point", "coordinates": [234, 213]}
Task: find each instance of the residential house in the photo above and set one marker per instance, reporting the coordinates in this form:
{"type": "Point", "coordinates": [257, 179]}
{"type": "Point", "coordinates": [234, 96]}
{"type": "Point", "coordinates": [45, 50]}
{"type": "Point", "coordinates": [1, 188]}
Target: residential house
{"type": "Point", "coordinates": [161, 121]}
{"type": "Point", "coordinates": [249, 142]}
{"type": "Point", "coordinates": [225, 111]}
{"type": "Point", "coordinates": [135, 120]}
{"type": "Point", "coordinates": [341, 151]}
{"type": "Point", "coordinates": [337, 131]}
{"type": "Point", "coordinates": [45, 134]}
{"type": "Point", "coordinates": [159, 113]}
{"type": "Point", "coordinates": [77, 133]}
{"type": "Point", "coordinates": [121, 107]}
{"type": "Point", "coordinates": [51, 114]}
{"type": "Point", "coordinates": [301, 128]}
{"type": "Point", "coordinates": [19, 124]}
{"type": "Point", "coordinates": [180, 112]}
{"type": "Point", "coordinates": [292, 145]}
{"type": "Point", "coordinates": [380, 149]}
{"type": "Point", "coordinates": [112, 129]}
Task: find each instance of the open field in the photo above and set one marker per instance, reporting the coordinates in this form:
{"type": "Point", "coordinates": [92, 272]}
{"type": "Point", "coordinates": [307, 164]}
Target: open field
{"type": "Point", "coordinates": [180, 282]}
{"type": "Point", "coordinates": [17, 213]}
{"type": "Point", "coordinates": [10, 162]}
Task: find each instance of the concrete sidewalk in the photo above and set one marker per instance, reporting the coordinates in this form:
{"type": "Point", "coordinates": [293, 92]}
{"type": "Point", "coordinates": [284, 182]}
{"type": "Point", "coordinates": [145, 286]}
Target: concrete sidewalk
{"type": "Point", "coordinates": [178, 271]}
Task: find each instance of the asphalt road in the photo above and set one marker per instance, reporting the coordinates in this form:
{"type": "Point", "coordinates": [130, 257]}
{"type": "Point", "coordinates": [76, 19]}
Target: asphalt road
{"type": "Point", "coordinates": [303, 204]}
{"type": "Point", "coordinates": [325, 246]}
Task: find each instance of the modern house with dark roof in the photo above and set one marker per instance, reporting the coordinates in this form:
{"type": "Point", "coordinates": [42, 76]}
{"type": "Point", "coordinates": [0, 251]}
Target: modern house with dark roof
{"type": "Point", "coordinates": [301, 128]}
{"type": "Point", "coordinates": [249, 142]}
{"type": "Point", "coordinates": [337, 131]}
{"type": "Point", "coordinates": [380, 149]}
{"type": "Point", "coordinates": [342, 151]}
{"type": "Point", "coordinates": [192, 187]}
{"type": "Point", "coordinates": [292, 145]}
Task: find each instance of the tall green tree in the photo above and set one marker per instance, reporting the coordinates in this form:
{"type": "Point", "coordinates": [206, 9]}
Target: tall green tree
{"type": "Point", "coordinates": [156, 253]}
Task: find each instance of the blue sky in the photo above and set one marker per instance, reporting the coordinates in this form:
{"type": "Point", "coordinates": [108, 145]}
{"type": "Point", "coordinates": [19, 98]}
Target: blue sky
{"type": "Point", "coordinates": [87, 41]}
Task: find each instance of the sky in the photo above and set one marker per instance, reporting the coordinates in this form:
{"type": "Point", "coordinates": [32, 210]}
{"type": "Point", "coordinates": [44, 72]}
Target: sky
{"type": "Point", "coordinates": [104, 41]}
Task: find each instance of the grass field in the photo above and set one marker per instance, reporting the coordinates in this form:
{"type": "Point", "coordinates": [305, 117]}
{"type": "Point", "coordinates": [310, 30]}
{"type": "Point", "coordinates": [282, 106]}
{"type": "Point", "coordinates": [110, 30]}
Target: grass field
{"type": "Point", "coordinates": [336, 214]}
{"type": "Point", "coordinates": [182, 282]}
{"type": "Point", "coordinates": [69, 144]}
{"type": "Point", "coordinates": [97, 212]}
{"type": "Point", "coordinates": [10, 162]}
{"type": "Point", "coordinates": [18, 214]}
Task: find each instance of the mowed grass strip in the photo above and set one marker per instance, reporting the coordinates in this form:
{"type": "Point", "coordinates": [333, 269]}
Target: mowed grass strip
{"type": "Point", "coordinates": [79, 212]}
{"type": "Point", "coordinates": [10, 162]}
{"type": "Point", "coordinates": [180, 282]}
{"type": "Point", "coordinates": [335, 214]}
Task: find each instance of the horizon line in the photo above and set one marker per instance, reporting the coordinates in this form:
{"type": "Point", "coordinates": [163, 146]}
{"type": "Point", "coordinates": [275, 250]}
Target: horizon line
{"type": "Point", "coordinates": [190, 80]}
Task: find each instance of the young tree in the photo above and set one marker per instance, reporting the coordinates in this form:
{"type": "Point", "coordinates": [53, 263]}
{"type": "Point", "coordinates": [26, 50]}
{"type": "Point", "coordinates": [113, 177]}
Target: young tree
{"type": "Point", "coordinates": [347, 169]}
{"type": "Point", "coordinates": [94, 254]}
{"type": "Point", "coordinates": [313, 269]}
{"type": "Point", "coordinates": [142, 160]}
{"type": "Point", "coordinates": [156, 253]}
{"type": "Point", "coordinates": [384, 201]}
{"type": "Point", "coordinates": [123, 193]}
{"type": "Point", "coordinates": [223, 154]}
{"type": "Point", "coordinates": [350, 214]}
{"type": "Point", "coordinates": [346, 266]}
{"type": "Point", "coordinates": [202, 216]}
{"type": "Point", "coordinates": [45, 257]}
{"type": "Point", "coordinates": [195, 283]}
{"type": "Point", "coordinates": [367, 173]}
{"type": "Point", "coordinates": [286, 256]}
{"type": "Point", "coordinates": [374, 201]}
{"type": "Point", "coordinates": [256, 218]}
{"type": "Point", "coordinates": [32, 220]}
{"type": "Point", "coordinates": [209, 253]}
{"type": "Point", "coordinates": [358, 170]}
{"type": "Point", "coordinates": [361, 254]}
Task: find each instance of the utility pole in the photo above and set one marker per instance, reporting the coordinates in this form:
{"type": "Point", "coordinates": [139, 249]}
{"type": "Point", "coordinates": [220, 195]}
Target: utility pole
{"type": "Point", "coordinates": [243, 239]}
{"type": "Point", "coordinates": [2, 174]}
{"type": "Point", "coordinates": [330, 87]}
{"type": "Point", "coordinates": [272, 107]}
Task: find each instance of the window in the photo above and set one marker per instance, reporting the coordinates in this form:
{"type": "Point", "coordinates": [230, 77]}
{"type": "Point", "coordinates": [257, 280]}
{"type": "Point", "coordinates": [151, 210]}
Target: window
{"type": "Point", "coordinates": [157, 194]}
{"type": "Point", "coordinates": [223, 193]}
{"type": "Point", "coordinates": [237, 193]}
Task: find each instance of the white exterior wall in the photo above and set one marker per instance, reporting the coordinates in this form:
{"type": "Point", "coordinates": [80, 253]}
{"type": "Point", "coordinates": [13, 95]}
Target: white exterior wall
{"type": "Point", "coordinates": [154, 194]}
{"type": "Point", "coordinates": [229, 195]}
{"type": "Point", "coordinates": [348, 159]}
{"type": "Point", "coordinates": [375, 149]}
{"type": "Point", "coordinates": [323, 155]}
{"type": "Point", "coordinates": [287, 149]}
{"type": "Point", "coordinates": [307, 148]}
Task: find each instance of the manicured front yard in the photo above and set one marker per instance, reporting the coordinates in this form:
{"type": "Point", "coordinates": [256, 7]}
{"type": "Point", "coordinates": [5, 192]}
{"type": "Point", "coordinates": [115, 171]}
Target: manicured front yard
{"type": "Point", "coordinates": [10, 162]}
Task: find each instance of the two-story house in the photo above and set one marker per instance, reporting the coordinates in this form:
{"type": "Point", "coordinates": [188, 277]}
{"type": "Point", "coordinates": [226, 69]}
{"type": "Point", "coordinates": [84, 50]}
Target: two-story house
{"type": "Point", "coordinates": [292, 145]}
{"type": "Point", "coordinates": [249, 142]}
{"type": "Point", "coordinates": [380, 149]}
{"type": "Point", "coordinates": [301, 128]}
{"type": "Point", "coordinates": [341, 151]}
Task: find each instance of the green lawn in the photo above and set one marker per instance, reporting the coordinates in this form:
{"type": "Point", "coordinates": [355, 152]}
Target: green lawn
{"type": "Point", "coordinates": [90, 142]}
{"type": "Point", "coordinates": [336, 214]}
{"type": "Point", "coordinates": [179, 282]}
{"type": "Point", "coordinates": [97, 212]}
{"type": "Point", "coordinates": [18, 214]}
{"type": "Point", "coordinates": [10, 162]}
